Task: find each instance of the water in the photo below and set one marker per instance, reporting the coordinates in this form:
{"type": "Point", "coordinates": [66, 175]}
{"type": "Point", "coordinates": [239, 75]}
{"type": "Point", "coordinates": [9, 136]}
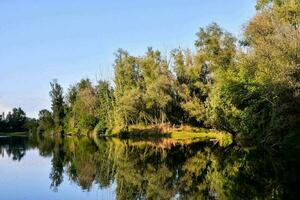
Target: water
{"type": "Point", "coordinates": [83, 168]}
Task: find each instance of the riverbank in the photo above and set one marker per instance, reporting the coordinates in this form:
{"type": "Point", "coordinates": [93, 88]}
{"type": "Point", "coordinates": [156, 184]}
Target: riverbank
{"type": "Point", "coordinates": [182, 134]}
{"type": "Point", "coordinates": [178, 133]}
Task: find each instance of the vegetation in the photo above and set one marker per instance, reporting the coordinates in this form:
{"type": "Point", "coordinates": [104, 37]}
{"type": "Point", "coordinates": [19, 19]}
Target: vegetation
{"type": "Point", "coordinates": [57, 105]}
{"type": "Point", "coordinates": [249, 87]}
{"type": "Point", "coordinates": [16, 121]}
{"type": "Point", "coordinates": [220, 121]}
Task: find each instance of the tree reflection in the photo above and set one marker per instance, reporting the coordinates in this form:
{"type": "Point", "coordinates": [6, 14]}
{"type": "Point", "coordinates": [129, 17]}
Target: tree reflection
{"type": "Point", "coordinates": [57, 161]}
{"type": "Point", "coordinates": [14, 147]}
{"type": "Point", "coordinates": [144, 170]}
{"type": "Point", "coordinates": [194, 171]}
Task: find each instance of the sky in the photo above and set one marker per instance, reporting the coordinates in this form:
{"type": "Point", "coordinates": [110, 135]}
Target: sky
{"type": "Point", "coordinates": [42, 40]}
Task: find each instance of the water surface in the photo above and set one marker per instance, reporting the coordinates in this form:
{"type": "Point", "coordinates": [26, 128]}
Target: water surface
{"type": "Point", "coordinates": [83, 168]}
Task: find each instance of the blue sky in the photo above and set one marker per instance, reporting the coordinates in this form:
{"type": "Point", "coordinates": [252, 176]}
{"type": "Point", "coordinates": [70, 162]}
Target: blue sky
{"type": "Point", "coordinates": [72, 39]}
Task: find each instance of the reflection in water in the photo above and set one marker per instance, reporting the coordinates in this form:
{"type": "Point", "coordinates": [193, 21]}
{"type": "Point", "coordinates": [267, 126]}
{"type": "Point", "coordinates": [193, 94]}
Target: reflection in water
{"type": "Point", "coordinates": [14, 147]}
{"type": "Point", "coordinates": [163, 170]}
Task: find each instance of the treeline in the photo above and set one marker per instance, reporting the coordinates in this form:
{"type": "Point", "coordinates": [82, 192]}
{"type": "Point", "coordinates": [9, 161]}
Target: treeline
{"type": "Point", "coordinates": [16, 120]}
{"type": "Point", "coordinates": [248, 86]}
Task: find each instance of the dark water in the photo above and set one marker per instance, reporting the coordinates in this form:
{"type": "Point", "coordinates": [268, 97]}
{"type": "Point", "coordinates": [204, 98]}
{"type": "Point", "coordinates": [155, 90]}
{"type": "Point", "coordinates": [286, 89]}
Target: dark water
{"type": "Point", "coordinates": [83, 168]}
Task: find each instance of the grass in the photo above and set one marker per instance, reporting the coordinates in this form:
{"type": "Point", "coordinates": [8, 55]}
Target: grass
{"type": "Point", "coordinates": [223, 138]}
{"type": "Point", "coordinates": [184, 133]}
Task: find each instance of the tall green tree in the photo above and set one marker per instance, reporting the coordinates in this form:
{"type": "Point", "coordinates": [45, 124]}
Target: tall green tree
{"type": "Point", "coordinates": [127, 91]}
{"type": "Point", "coordinates": [157, 85]}
{"type": "Point", "coordinates": [191, 86]}
{"type": "Point", "coordinates": [82, 105]}
{"type": "Point", "coordinates": [105, 101]}
{"type": "Point", "coordinates": [57, 105]}
{"type": "Point", "coordinates": [197, 73]}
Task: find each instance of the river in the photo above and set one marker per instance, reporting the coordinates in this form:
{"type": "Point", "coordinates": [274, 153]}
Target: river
{"type": "Point", "coordinates": [40, 167]}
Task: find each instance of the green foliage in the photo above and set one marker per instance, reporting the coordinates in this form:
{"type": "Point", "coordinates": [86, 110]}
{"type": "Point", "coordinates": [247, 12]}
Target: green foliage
{"type": "Point", "coordinates": [81, 106]}
{"type": "Point", "coordinates": [14, 121]}
{"type": "Point", "coordinates": [127, 94]}
{"type": "Point", "coordinates": [143, 88]}
{"type": "Point", "coordinates": [197, 73]}
{"type": "Point", "coordinates": [284, 10]}
{"type": "Point", "coordinates": [57, 105]}
{"type": "Point", "coordinates": [157, 85]}
{"type": "Point", "coordinates": [216, 47]}
{"type": "Point", "coordinates": [251, 90]}
{"type": "Point", "coordinates": [105, 103]}
{"type": "Point", "coordinates": [46, 122]}
{"type": "Point", "coordinates": [259, 95]}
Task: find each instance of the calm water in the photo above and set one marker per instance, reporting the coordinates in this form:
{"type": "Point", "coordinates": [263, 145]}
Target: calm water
{"type": "Point", "coordinates": [83, 168]}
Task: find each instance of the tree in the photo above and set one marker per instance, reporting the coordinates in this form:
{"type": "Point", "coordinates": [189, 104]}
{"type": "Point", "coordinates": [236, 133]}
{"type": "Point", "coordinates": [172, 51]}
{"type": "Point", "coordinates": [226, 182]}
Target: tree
{"type": "Point", "coordinates": [190, 85]}
{"type": "Point", "coordinates": [157, 84]}
{"type": "Point", "coordinates": [285, 10]}
{"type": "Point", "coordinates": [127, 91]}
{"type": "Point", "coordinates": [57, 105]}
{"type": "Point", "coordinates": [258, 96]}
{"type": "Point", "coordinates": [2, 122]}
{"type": "Point", "coordinates": [16, 120]}
{"type": "Point", "coordinates": [197, 73]}
{"type": "Point", "coordinates": [81, 106]}
{"type": "Point", "coordinates": [252, 89]}
{"type": "Point", "coordinates": [105, 101]}
{"type": "Point", "coordinates": [45, 121]}
{"type": "Point", "coordinates": [216, 46]}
